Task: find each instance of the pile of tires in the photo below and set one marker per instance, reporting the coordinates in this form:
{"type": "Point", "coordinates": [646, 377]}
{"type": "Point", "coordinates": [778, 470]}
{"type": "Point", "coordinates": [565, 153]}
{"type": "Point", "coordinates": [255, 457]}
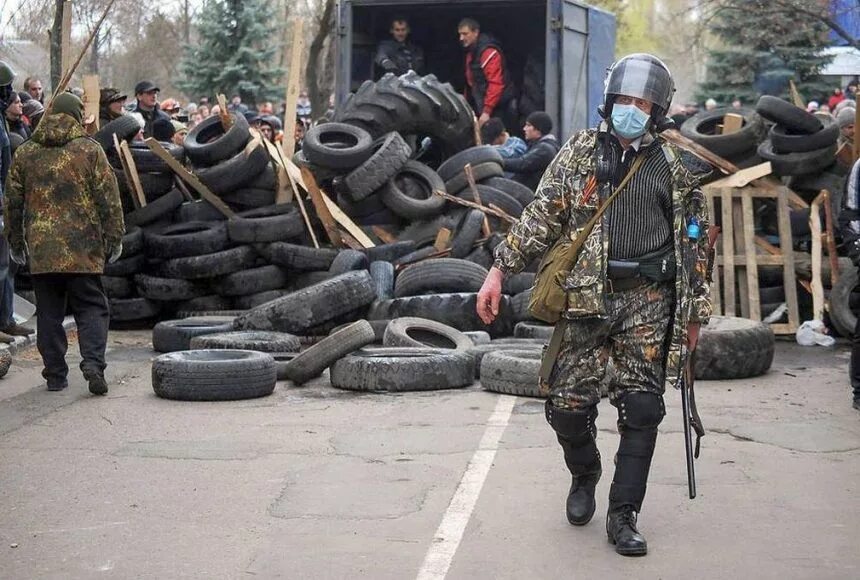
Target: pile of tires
{"type": "Point", "coordinates": [799, 143]}
{"type": "Point", "coordinates": [740, 147]}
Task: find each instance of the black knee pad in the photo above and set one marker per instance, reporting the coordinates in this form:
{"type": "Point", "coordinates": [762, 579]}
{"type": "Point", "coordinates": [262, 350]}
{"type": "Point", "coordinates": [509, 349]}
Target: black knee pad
{"type": "Point", "coordinates": [576, 426]}
{"type": "Point", "coordinates": [641, 410]}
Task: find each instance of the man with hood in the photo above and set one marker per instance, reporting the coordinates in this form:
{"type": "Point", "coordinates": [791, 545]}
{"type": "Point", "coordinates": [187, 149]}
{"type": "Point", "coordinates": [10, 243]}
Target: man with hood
{"type": "Point", "coordinates": [637, 293]}
{"type": "Point", "coordinates": [542, 149]}
{"type": "Point", "coordinates": [63, 216]}
{"type": "Point", "coordinates": [489, 88]}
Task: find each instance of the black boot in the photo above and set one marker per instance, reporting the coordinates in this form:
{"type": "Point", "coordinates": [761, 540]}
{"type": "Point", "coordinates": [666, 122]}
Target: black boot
{"type": "Point", "coordinates": [576, 433]}
{"type": "Point", "coordinates": [621, 531]}
{"type": "Point", "coordinates": [639, 415]}
{"type": "Point", "coordinates": [580, 499]}
{"type": "Point", "coordinates": [97, 383]}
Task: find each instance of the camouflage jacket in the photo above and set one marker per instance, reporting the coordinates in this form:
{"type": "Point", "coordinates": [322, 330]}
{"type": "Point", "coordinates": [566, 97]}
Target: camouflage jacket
{"type": "Point", "coordinates": [559, 209]}
{"type": "Point", "coordinates": [62, 200]}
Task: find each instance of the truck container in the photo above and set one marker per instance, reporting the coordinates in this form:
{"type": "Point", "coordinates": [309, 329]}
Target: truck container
{"type": "Point", "coordinates": [559, 49]}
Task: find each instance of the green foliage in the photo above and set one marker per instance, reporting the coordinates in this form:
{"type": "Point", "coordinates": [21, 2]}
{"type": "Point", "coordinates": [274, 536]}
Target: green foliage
{"type": "Point", "coordinates": [234, 52]}
{"type": "Point", "coordinates": [763, 46]}
{"type": "Point", "coordinates": [633, 20]}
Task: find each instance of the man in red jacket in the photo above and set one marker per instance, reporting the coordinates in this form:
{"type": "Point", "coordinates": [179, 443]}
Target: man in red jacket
{"type": "Point", "coordinates": [488, 86]}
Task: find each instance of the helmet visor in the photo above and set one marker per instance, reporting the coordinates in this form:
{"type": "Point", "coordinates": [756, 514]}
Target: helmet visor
{"type": "Point", "coordinates": [641, 79]}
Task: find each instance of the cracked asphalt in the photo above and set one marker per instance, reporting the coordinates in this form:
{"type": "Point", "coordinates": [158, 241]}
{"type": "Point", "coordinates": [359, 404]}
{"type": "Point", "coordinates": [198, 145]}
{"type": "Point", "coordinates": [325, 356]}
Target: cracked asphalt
{"type": "Point", "coordinates": [313, 482]}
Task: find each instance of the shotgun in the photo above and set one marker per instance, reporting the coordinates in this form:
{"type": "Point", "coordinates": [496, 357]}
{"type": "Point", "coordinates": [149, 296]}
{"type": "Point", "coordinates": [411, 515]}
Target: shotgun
{"type": "Point", "coordinates": [692, 421]}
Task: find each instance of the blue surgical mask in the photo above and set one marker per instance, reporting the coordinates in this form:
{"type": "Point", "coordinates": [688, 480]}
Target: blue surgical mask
{"type": "Point", "coordinates": [629, 121]}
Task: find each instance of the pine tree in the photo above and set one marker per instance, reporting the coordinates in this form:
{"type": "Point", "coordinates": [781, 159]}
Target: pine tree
{"type": "Point", "coordinates": [761, 50]}
{"type": "Point", "coordinates": [234, 54]}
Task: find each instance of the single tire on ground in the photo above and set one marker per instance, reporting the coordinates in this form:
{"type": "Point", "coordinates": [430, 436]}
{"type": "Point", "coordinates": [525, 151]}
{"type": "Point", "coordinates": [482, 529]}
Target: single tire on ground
{"type": "Point", "coordinates": [271, 342]}
{"type": "Point", "coordinates": [214, 375]}
{"type": "Point", "coordinates": [512, 372]}
{"type": "Point", "coordinates": [313, 361]}
{"type": "Point", "coordinates": [421, 332]}
{"type": "Point", "coordinates": [408, 370]}
{"type": "Point", "coordinates": [733, 348]}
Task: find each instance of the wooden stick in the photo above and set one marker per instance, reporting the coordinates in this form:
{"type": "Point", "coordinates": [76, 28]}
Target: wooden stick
{"type": "Point", "coordinates": [674, 136]}
{"type": "Point", "coordinates": [383, 234]}
{"type": "Point", "coordinates": [226, 119]}
{"type": "Point", "coordinates": [91, 102]}
{"type": "Point", "coordinates": [476, 130]}
{"type": "Point", "coordinates": [795, 95]}
{"type": "Point", "coordinates": [132, 179]}
{"type": "Point", "coordinates": [66, 36]}
{"type": "Point", "coordinates": [304, 211]}
{"type": "Point", "coordinates": [293, 79]}
{"type": "Point", "coordinates": [470, 177]}
{"type": "Point", "coordinates": [180, 185]}
{"type": "Point", "coordinates": [440, 254]}
{"type": "Point", "coordinates": [350, 242]}
{"type": "Point", "coordinates": [67, 76]}
{"type": "Point", "coordinates": [495, 212]}
{"type": "Point", "coordinates": [817, 286]}
{"type": "Point", "coordinates": [322, 209]}
{"type": "Point", "coordinates": [829, 238]}
{"type": "Point", "coordinates": [189, 178]}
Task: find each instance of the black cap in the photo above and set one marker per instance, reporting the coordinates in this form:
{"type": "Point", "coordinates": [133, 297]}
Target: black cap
{"type": "Point", "coordinates": [145, 87]}
{"type": "Point", "coordinates": [251, 116]}
{"type": "Point", "coordinates": [540, 121]}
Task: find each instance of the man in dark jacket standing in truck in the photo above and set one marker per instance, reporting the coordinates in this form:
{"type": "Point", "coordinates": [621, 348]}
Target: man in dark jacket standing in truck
{"type": "Point", "coordinates": [489, 88]}
{"type": "Point", "coordinates": [64, 216]}
{"type": "Point", "coordinates": [543, 147]}
{"type": "Point", "coordinates": [398, 54]}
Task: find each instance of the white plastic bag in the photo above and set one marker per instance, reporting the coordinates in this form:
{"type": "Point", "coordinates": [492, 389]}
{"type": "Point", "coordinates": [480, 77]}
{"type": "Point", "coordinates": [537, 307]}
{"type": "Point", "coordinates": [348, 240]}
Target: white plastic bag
{"type": "Point", "coordinates": [811, 333]}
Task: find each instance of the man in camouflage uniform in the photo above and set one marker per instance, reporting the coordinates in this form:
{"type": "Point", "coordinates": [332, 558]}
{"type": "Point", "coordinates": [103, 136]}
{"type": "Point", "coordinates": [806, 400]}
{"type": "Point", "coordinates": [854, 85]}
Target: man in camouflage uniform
{"type": "Point", "coordinates": [637, 294]}
{"type": "Point", "coordinates": [63, 213]}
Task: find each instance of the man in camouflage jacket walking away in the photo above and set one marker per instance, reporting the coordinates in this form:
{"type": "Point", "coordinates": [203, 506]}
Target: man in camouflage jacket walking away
{"type": "Point", "coordinates": [63, 214]}
{"type": "Point", "coordinates": [637, 294]}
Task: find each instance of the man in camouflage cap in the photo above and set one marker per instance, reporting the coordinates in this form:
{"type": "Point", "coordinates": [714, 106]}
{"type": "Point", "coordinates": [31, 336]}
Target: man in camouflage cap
{"type": "Point", "coordinates": [637, 294]}
{"type": "Point", "coordinates": [63, 215]}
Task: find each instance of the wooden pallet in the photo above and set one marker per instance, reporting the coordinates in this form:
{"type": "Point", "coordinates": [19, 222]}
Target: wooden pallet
{"type": "Point", "coordinates": [737, 260]}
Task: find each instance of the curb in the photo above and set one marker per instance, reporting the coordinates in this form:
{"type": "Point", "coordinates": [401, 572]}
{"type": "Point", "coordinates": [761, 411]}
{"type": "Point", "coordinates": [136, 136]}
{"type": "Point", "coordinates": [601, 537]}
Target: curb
{"type": "Point", "coordinates": [23, 342]}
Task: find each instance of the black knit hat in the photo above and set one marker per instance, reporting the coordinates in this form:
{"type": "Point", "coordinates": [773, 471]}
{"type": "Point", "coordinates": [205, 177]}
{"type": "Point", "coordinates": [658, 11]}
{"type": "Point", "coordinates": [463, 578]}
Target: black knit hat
{"type": "Point", "coordinates": [540, 121]}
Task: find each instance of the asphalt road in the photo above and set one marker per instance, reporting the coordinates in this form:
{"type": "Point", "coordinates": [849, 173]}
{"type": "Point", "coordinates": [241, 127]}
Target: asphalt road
{"type": "Point", "coordinates": [313, 482]}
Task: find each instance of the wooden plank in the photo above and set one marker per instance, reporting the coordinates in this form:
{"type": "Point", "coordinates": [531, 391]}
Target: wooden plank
{"type": "Point", "coordinates": [783, 329]}
{"type": "Point", "coordinates": [728, 254]}
{"type": "Point", "coordinates": [761, 260]}
{"type": "Point", "coordinates": [785, 244]}
{"type": "Point", "coordinates": [752, 264]}
{"type": "Point", "coordinates": [716, 295]}
{"type": "Point", "coordinates": [767, 246]}
{"type": "Point", "coordinates": [674, 136]}
{"type": "Point", "coordinates": [223, 113]}
{"type": "Point", "coordinates": [476, 130]}
{"type": "Point", "coordinates": [66, 37]}
{"type": "Point", "coordinates": [443, 237]}
{"type": "Point", "coordinates": [383, 234]}
{"type": "Point", "coordinates": [303, 209]}
{"type": "Point", "coordinates": [732, 123]}
{"type": "Point", "coordinates": [795, 95]}
{"type": "Point", "coordinates": [817, 286]}
{"type": "Point", "coordinates": [350, 242]}
{"type": "Point", "coordinates": [91, 102]}
{"type": "Point", "coordinates": [285, 191]}
{"type": "Point", "coordinates": [183, 189]}
{"type": "Point", "coordinates": [829, 238]}
{"type": "Point", "coordinates": [126, 174]}
{"type": "Point", "coordinates": [189, 178]}
{"type": "Point", "coordinates": [741, 273]}
{"type": "Point", "coordinates": [742, 177]}
{"type": "Point", "coordinates": [130, 169]}
{"type": "Point", "coordinates": [293, 88]}
{"type": "Point", "coordinates": [322, 209]}
{"type": "Point", "coordinates": [346, 222]}
{"type": "Point", "coordinates": [465, 202]}
{"type": "Point", "coordinates": [473, 187]}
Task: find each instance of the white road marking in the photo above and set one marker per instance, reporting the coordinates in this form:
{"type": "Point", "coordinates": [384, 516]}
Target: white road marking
{"type": "Point", "coordinates": [450, 531]}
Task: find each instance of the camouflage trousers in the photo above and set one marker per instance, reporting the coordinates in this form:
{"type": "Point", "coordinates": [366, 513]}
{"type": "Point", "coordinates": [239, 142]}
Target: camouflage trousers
{"type": "Point", "coordinates": [633, 335]}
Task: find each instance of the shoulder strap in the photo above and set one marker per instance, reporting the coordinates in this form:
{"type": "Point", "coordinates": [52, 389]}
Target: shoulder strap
{"type": "Point", "coordinates": [599, 213]}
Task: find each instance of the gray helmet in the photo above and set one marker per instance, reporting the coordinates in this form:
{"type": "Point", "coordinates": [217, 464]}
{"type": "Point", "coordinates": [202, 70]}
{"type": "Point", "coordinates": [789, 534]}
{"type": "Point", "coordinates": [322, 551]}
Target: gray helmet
{"type": "Point", "coordinates": [7, 75]}
{"type": "Point", "coordinates": [643, 76]}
